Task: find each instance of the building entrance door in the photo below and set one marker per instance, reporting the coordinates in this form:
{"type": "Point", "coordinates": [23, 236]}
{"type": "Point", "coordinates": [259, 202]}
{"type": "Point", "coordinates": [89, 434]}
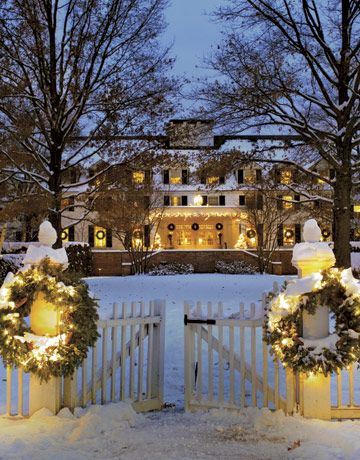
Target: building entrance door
{"type": "Point", "coordinates": [197, 236]}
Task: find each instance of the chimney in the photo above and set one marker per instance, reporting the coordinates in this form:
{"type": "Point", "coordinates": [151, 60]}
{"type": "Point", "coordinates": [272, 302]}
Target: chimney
{"type": "Point", "coordinates": [190, 133]}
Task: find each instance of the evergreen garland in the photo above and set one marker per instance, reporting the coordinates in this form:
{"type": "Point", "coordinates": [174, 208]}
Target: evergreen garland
{"type": "Point", "coordinates": [58, 356]}
{"type": "Point", "coordinates": [283, 327]}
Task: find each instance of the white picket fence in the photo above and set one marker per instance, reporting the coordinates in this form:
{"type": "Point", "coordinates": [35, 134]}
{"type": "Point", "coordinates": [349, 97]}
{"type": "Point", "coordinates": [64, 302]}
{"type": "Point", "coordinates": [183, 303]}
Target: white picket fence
{"type": "Point", "coordinates": [126, 364]}
{"type": "Point", "coordinates": [229, 366]}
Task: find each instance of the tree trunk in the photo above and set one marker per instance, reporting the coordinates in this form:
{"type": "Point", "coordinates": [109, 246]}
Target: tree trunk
{"type": "Point", "coordinates": [55, 220]}
{"type": "Point", "coordinates": [342, 219]}
{"type": "Point", "coordinates": [55, 210]}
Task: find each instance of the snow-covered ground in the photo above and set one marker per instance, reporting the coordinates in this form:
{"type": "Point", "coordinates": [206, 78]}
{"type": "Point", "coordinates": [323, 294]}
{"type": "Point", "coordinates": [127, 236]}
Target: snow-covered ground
{"type": "Point", "coordinates": [116, 432]}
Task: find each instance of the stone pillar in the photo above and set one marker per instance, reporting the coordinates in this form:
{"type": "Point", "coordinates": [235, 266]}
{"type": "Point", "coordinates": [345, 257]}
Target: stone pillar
{"type": "Point", "coordinates": [314, 390]}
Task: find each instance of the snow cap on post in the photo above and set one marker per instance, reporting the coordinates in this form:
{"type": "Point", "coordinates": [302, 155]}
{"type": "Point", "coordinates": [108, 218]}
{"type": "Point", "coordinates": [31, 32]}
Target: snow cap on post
{"type": "Point", "coordinates": [47, 234]}
{"type": "Point", "coordinates": [312, 232]}
{"type": "Point", "coordinates": [35, 254]}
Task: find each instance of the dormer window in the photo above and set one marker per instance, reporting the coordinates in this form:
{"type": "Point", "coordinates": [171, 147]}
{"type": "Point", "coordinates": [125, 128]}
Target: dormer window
{"type": "Point", "coordinates": [287, 202]}
{"type": "Point", "coordinates": [250, 176]}
{"type": "Point", "coordinates": [138, 177]}
{"type": "Point", "coordinates": [212, 180]}
{"type": "Point", "coordinates": [175, 176]}
{"type": "Point", "coordinates": [285, 176]}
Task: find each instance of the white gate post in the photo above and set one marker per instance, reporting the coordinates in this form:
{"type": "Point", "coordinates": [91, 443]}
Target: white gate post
{"type": "Point", "coordinates": [314, 390]}
{"type": "Point", "coordinates": [189, 361]}
{"type": "Point", "coordinates": [158, 358]}
{"type": "Point", "coordinates": [70, 391]}
{"type": "Point", "coordinates": [44, 395]}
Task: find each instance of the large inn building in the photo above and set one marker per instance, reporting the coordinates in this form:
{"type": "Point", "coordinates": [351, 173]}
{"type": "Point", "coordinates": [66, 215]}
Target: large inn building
{"type": "Point", "coordinates": [202, 210]}
{"type": "Point", "coordinates": [205, 211]}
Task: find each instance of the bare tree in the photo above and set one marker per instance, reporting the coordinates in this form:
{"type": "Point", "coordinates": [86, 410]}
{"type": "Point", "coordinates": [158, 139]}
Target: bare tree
{"type": "Point", "coordinates": [74, 75]}
{"type": "Point", "coordinates": [128, 205]}
{"type": "Point", "coordinates": [295, 66]}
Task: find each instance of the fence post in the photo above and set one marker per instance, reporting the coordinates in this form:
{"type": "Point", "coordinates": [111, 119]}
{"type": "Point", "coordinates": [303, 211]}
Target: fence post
{"type": "Point", "coordinates": [70, 391]}
{"type": "Point", "coordinates": [44, 394]}
{"type": "Point", "coordinates": [189, 359]}
{"type": "Point", "coordinates": [290, 391]}
{"type": "Point", "coordinates": [158, 358]}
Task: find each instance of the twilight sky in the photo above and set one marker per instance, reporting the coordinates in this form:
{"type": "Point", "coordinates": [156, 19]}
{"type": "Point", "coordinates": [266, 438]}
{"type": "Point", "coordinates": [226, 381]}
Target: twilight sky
{"type": "Point", "coordinates": [193, 33]}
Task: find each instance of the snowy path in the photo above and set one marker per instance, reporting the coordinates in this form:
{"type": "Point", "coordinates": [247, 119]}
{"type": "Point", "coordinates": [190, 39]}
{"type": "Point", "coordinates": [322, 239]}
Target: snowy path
{"type": "Point", "coordinates": [114, 431]}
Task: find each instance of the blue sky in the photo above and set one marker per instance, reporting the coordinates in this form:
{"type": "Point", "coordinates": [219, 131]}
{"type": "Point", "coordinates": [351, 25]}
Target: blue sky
{"type": "Point", "coordinates": [193, 33]}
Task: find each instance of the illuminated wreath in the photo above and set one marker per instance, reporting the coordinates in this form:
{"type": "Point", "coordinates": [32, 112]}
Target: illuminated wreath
{"type": "Point", "coordinates": [283, 323]}
{"type": "Point", "coordinates": [219, 226]}
{"type": "Point", "coordinates": [100, 234]}
{"type": "Point", "coordinates": [42, 355]}
{"type": "Point", "coordinates": [64, 235]}
{"type": "Point", "coordinates": [251, 234]}
{"type": "Point", "coordinates": [171, 227]}
{"type": "Point", "coordinates": [325, 233]}
{"type": "Point", "coordinates": [195, 227]}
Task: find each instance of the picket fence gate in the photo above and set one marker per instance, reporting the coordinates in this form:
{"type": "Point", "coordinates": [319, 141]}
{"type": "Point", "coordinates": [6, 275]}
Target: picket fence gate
{"type": "Point", "coordinates": [229, 366]}
{"type": "Point", "coordinates": [126, 364]}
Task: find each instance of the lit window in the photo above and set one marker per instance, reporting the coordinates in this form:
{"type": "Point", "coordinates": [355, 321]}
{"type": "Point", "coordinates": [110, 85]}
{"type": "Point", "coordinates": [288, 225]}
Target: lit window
{"type": "Point", "coordinates": [289, 235]}
{"type": "Point", "coordinates": [287, 202]}
{"type": "Point", "coordinates": [100, 237]}
{"type": "Point", "coordinates": [356, 207]}
{"type": "Point", "coordinates": [175, 176]}
{"type": "Point", "coordinates": [285, 176]}
{"type": "Point", "coordinates": [138, 177]}
{"type": "Point", "coordinates": [65, 235]}
{"type": "Point", "coordinates": [175, 201]}
{"type": "Point", "coordinates": [250, 176]}
{"type": "Point", "coordinates": [212, 180]}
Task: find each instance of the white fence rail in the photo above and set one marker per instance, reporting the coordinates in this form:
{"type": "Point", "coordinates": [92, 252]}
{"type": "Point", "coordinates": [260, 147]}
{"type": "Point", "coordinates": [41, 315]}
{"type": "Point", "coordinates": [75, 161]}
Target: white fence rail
{"type": "Point", "coordinates": [126, 364]}
{"type": "Point", "coordinates": [227, 365]}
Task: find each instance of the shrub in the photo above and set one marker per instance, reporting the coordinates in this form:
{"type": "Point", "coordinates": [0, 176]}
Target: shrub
{"type": "Point", "coordinates": [80, 259]}
{"type": "Point", "coordinates": [172, 269]}
{"type": "Point", "coordinates": [6, 266]}
{"type": "Point", "coordinates": [238, 267]}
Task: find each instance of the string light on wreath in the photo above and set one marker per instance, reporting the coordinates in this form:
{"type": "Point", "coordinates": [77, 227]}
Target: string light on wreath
{"type": "Point", "coordinates": [59, 304]}
{"type": "Point", "coordinates": [340, 291]}
{"type": "Point", "coordinates": [46, 356]}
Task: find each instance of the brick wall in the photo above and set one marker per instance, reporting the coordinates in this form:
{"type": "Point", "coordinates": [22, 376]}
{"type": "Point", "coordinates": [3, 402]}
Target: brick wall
{"type": "Point", "coordinates": [115, 263]}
